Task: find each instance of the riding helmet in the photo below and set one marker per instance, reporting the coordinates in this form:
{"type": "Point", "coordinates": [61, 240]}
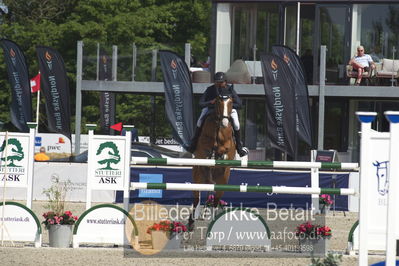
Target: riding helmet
{"type": "Point", "coordinates": [219, 77]}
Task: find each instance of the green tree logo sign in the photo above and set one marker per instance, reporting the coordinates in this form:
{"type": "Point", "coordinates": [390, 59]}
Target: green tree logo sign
{"type": "Point", "coordinates": [15, 152]}
{"type": "Point", "coordinates": [108, 153]}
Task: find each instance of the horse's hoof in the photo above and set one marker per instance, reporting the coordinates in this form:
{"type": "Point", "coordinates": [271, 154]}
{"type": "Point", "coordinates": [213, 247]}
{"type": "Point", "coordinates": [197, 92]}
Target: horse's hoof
{"type": "Point", "coordinates": [190, 226]}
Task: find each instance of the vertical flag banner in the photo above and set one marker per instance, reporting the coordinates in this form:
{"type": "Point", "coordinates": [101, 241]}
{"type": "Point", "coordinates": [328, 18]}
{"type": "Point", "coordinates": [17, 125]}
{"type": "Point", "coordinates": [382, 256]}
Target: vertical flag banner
{"type": "Point", "coordinates": [54, 85]}
{"type": "Point", "coordinates": [280, 104]}
{"type": "Point", "coordinates": [304, 127]}
{"type": "Point", "coordinates": [21, 103]}
{"type": "Point", "coordinates": [178, 96]}
{"type": "Point", "coordinates": [107, 99]}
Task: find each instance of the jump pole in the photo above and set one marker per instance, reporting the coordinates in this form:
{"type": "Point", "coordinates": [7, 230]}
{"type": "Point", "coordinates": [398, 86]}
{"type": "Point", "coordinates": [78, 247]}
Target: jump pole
{"type": "Point", "coordinates": [243, 163]}
{"type": "Point", "coordinates": [242, 188]}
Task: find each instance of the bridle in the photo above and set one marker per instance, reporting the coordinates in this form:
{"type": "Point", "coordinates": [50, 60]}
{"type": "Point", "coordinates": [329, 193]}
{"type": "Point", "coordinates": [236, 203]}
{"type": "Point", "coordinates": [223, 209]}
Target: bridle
{"type": "Point", "coordinates": [223, 118]}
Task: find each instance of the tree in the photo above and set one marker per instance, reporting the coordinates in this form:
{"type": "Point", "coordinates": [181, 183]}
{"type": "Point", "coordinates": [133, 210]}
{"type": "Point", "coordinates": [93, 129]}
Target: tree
{"type": "Point", "coordinates": [15, 151]}
{"type": "Point", "coordinates": [112, 156]}
{"type": "Point", "coordinates": [151, 24]}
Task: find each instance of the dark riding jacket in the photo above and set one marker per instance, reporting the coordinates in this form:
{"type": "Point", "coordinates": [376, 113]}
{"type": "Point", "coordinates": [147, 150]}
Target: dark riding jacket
{"type": "Point", "coordinates": [212, 92]}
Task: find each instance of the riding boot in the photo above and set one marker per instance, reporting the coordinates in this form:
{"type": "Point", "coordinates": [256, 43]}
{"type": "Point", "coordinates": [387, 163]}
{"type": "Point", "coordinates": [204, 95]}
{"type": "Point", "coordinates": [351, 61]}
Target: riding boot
{"type": "Point", "coordinates": [194, 140]}
{"type": "Point", "coordinates": [242, 151]}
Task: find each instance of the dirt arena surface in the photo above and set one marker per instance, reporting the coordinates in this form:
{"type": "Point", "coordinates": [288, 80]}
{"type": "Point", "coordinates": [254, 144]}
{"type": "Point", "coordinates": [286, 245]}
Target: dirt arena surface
{"type": "Point", "coordinates": [340, 223]}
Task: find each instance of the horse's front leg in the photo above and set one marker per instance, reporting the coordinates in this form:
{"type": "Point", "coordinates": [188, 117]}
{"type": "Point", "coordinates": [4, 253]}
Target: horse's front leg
{"type": "Point", "coordinates": [222, 175]}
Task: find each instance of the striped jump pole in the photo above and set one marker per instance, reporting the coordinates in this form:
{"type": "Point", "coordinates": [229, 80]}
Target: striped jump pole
{"type": "Point", "coordinates": [242, 188]}
{"type": "Point", "coordinates": [243, 163]}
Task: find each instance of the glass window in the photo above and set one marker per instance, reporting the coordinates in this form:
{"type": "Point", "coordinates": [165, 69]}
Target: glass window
{"type": "Point", "coordinates": [267, 31]}
{"type": "Point", "coordinates": [256, 24]}
{"type": "Point", "coordinates": [290, 26]}
{"type": "Point", "coordinates": [336, 129]}
{"type": "Point", "coordinates": [379, 31]}
{"type": "Point", "coordinates": [241, 35]}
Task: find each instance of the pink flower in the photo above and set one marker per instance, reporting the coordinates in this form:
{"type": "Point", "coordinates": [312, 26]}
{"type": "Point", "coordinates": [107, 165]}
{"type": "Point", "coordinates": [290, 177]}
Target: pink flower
{"type": "Point", "coordinates": [325, 199]}
{"type": "Point", "coordinates": [51, 221]}
{"type": "Point", "coordinates": [69, 213]}
{"type": "Point", "coordinates": [222, 202]}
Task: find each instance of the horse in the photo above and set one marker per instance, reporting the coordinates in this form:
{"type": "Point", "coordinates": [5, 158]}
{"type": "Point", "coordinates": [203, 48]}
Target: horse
{"type": "Point", "coordinates": [215, 141]}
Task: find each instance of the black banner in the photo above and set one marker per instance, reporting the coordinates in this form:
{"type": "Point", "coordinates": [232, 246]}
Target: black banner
{"type": "Point", "coordinates": [21, 103]}
{"type": "Point", "coordinates": [304, 127]}
{"type": "Point", "coordinates": [107, 99]}
{"type": "Point", "coordinates": [280, 104]}
{"type": "Point", "coordinates": [178, 96]}
{"type": "Point", "coordinates": [54, 85]}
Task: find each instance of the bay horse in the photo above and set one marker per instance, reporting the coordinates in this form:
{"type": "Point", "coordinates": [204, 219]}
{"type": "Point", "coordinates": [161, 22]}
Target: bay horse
{"type": "Point", "coordinates": [215, 141]}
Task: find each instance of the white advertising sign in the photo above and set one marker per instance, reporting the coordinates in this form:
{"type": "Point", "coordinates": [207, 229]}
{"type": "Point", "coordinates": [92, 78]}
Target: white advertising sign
{"type": "Point", "coordinates": [15, 168]}
{"type": "Point", "coordinates": [58, 143]}
{"type": "Point", "coordinates": [76, 173]}
{"type": "Point", "coordinates": [105, 224]}
{"type": "Point", "coordinates": [20, 224]}
{"type": "Point", "coordinates": [107, 163]}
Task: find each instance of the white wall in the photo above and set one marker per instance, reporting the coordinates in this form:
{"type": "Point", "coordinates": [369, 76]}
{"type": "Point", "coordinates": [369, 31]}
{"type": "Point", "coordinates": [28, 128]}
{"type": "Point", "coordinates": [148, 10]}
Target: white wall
{"type": "Point", "coordinates": [223, 38]}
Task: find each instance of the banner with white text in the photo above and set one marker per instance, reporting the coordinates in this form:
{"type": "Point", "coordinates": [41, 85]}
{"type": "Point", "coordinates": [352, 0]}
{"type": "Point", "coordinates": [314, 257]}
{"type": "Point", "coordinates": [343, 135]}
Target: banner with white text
{"type": "Point", "coordinates": [54, 85]}
{"type": "Point", "coordinates": [178, 96]}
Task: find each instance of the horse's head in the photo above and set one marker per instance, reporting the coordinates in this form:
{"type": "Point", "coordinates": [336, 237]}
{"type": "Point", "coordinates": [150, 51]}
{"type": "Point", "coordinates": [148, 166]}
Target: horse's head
{"type": "Point", "coordinates": [382, 177]}
{"type": "Point", "coordinates": [223, 108]}
{"type": "Point", "coordinates": [224, 142]}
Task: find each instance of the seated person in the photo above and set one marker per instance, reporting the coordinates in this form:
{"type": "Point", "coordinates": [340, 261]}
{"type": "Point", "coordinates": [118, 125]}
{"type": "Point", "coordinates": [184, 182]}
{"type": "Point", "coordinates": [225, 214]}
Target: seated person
{"type": "Point", "coordinates": [361, 63]}
{"type": "Point", "coordinates": [42, 156]}
{"type": "Point", "coordinates": [207, 102]}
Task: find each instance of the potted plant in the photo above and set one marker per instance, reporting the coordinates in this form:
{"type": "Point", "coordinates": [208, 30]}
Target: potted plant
{"type": "Point", "coordinates": [57, 221]}
{"type": "Point", "coordinates": [313, 238]}
{"type": "Point", "coordinates": [325, 202]}
{"type": "Point", "coordinates": [210, 202]}
{"type": "Point", "coordinates": [165, 234]}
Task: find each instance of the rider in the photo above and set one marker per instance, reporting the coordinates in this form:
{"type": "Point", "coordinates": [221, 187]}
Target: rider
{"type": "Point", "coordinates": [207, 102]}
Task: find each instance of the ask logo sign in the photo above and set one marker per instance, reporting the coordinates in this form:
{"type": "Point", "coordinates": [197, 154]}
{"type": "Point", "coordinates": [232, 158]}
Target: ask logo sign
{"type": "Point", "coordinates": [13, 160]}
{"type": "Point", "coordinates": [109, 169]}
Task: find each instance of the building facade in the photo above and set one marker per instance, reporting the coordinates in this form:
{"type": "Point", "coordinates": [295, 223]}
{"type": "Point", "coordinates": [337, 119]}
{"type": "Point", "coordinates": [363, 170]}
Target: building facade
{"type": "Point", "coordinates": [246, 29]}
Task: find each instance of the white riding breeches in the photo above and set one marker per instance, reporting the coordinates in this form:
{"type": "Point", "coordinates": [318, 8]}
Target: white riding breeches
{"type": "Point", "coordinates": [234, 117]}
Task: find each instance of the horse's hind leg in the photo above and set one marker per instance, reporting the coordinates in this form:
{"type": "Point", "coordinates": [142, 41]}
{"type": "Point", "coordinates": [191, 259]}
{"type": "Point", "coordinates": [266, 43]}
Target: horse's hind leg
{"type": "Point", "coordinates": [192, 215]}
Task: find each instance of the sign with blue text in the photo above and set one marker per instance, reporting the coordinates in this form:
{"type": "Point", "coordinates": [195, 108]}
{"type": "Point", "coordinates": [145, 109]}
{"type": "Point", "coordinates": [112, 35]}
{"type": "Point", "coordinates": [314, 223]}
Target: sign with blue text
{"type": "Point", "coordinates": [150, 178]}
